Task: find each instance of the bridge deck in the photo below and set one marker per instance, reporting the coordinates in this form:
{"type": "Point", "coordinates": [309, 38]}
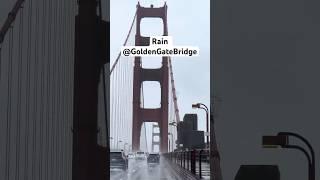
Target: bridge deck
{"type": "Point", "coordinates": [139, 170]}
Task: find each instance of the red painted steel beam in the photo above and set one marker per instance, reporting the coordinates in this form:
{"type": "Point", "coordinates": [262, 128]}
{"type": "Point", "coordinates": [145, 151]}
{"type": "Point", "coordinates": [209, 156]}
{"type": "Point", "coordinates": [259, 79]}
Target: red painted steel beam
{"type": "Point", "coordinates": [150, 115]}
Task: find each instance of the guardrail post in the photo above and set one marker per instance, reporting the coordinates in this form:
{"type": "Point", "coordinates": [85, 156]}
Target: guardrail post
{"type": "Point", "coordinates": [193, 161]}
{"type": "Point", "coordinates": [188, 159]}
{"type": "Point", "coordinates": [184, 159]}
{"type": "Point", "coordinates": [190, 154]}
{"type": "Point", "coordinates": [175, 157]}
{"type": "Point", "coordinates": [200, 159]}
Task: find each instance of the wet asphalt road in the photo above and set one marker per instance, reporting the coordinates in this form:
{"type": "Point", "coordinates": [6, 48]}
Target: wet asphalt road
{"type": "Point", "coordinates": [139, 170]}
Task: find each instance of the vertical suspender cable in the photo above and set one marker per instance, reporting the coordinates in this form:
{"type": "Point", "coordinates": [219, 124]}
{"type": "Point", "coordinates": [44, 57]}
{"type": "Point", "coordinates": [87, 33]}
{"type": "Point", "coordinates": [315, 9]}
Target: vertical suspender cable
{"type": "Point", "coordinates": [117, 118]}
{"type": "Point", "coordinates": [115, 96]}
{"type": "Point", "coordinates": [42, 81]}
{"type": "Point", "coordinates": [48, 93]}
{"type": "Point", "coordinates": [8, 135]}
{"type": "Point", "coordinates": [20, 46]}
{"type": "Point", "coordinates": [63, 97]}
{"type": "Point", "coordinates": [71, 61]}
{"type": "Point", "coordinates": [116, 107]}
{"type": "Point", "coordinates": [35, 94]}
{"type": "Point", "coordinates": [27, 130]}
{"type": "Point", "coordinates": [70, 52]}
{"type": "Point", "coordinates": [54, 89]}
{"type": "Point", "coordinates": [59, 87]}
{"type": "Point", "coordinates": [120, 105]}
{"type": "Point", "coordinates": [0, 62]}
{"type": "Point", "coordinates": [68, 35]}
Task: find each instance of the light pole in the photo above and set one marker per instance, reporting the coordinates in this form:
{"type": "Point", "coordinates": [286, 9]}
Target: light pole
{"type": "Point", "coordinates": [204, 107]}
{"type": "Point", "coordinates": [130, 147]}
{"type": "Point", "coordinates": [118, 144]}
{"type": "Point", "coordinates": [171, 141]}
{"type": "Point", "coordinates": [173, 123]}
{"type": "Point", "coordinates": [124, 146]}
{"type": "Point", "coordinates": [111, 138]}
{"type": "Point", "coordinates": [282, 140]}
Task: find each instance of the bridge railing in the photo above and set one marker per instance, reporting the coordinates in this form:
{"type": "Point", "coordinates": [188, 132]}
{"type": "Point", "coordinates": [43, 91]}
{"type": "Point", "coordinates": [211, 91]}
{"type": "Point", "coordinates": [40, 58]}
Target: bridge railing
{"type": "Point", "coordinates": [196, 161]}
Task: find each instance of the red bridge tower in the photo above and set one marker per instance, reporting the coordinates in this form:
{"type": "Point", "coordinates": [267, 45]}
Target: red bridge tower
{"type": "Point", "coordinates": [141, 115]}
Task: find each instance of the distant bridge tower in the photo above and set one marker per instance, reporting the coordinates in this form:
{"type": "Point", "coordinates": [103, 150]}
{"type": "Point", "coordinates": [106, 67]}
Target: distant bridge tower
{"type": "Point", "coordinates": [159, 115]}
{"type": "Point", "coordinates": [155, 133]}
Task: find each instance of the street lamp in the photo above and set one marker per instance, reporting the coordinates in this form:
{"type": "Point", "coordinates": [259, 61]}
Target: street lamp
{"type": "Point", "coordinates": [173, 123]}
{"type": "Point", "coordinates": [282, 140]}
{"type": "Point", "coordinates": [204, 107]}
{"type": "Point", "coordinates": [118, 144]}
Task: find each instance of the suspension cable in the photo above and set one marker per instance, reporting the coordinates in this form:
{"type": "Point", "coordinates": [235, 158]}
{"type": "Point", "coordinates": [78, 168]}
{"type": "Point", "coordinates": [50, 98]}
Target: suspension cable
{"type": "Point", "coordinates": [54, 94]}
{"type": "Point", "coordinates": [26, 167]}
{"type": "Point", "coordinates": [10, 19]}
{"type": "Point", "coordinates": [35, 94]}
{"type": "Point", "coordinates": [0, 62]}
{"type": "Point", "coordinates": [48, 90]}
{"type": "Point", "coordinates": [42, 82]}
{"type": "Point", "coordinates": [59, 88]}
{"type": "Point", "coordinates": [8, 136]}
{"type": "Point", "coordinates": [125, 42]}
{"type": "Point", "coordinates": [20, 46]}
{"type": "Point", "coordinates": [174, 96]}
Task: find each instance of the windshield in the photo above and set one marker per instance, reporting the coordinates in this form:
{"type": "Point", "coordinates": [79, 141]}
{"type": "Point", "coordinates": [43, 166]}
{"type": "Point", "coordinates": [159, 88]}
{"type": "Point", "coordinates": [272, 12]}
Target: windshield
{"type": "Point", "coordinates": [115, 155]}
{"type": "Point", "coordinates": [153, 155]}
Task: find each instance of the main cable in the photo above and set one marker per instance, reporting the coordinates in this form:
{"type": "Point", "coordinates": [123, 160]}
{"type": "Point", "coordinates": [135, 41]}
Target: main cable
{"type": "Point", "coordinates": [125, 42]}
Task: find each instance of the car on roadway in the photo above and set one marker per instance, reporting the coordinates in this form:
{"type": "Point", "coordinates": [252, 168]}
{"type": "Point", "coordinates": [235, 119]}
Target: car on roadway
{"type": "Point", "coordinates": [140, 155]}
{"type": "Point", "coordinates": [153, 159]}
{"type": "Point", "coordinates": [130, 156]}
{"type": "Point", "coordinates": [118, 160]}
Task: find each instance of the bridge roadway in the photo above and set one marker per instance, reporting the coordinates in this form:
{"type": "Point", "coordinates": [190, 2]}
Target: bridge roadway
{"type": "Point", "coordinates": [139, 170]}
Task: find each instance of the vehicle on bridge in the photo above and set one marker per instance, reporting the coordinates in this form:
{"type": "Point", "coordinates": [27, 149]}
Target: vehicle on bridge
{"type": "Point", "coordinates": [130, 155]}
{"type": "Point", "coordinates": [140, 155]}
{"type": "Point", "coordinates": [153, 159]}
{"type": "Point", "coordinates": [118, 160]}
